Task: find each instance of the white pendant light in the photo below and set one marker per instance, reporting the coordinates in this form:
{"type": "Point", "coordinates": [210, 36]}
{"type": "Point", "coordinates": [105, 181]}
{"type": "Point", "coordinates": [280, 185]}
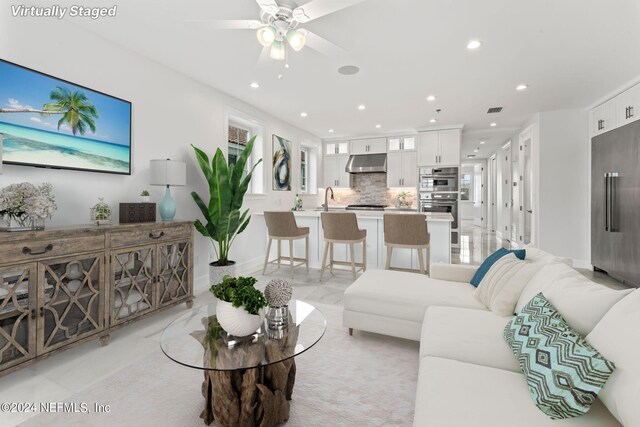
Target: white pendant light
{"type": "Point", "coordinates": [266, 35]}
{"type": "Point", "coordinates": [278, 50]}
{"type": "Point", "coordinates": [296, 39]}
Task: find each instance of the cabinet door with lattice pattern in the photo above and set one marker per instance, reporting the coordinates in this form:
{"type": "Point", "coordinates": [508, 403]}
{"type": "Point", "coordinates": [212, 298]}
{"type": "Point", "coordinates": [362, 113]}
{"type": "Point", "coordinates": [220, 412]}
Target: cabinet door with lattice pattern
{"type": "Point", "coordinates": [71, 300]}
{"type": "Point", "coordinates": [132, 282]}
{"type": "Point", "coordinates": [17, 314]}
{"type": "Point", "coordinates": [174, 280]}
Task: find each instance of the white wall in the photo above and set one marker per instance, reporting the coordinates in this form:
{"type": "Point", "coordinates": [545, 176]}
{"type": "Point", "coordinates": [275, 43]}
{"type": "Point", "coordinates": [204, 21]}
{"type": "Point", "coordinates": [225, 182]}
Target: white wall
{"type": "Point", "coordinates": [170, 112]}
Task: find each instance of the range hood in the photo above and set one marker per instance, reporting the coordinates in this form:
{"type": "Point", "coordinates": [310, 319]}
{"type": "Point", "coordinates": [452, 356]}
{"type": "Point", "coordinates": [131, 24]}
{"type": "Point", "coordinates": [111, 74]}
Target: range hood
{"type": "Point", "coordinates": [367, 163]}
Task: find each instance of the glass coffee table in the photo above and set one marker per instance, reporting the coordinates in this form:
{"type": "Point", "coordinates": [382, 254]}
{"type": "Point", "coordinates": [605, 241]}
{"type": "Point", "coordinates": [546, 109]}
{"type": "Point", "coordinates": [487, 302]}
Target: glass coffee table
{"type": "Point", "coordinates": [247, 380]}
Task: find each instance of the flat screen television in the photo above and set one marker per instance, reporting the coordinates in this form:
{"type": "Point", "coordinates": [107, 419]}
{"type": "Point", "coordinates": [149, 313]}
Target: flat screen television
{"type": "Point", "coordinates": [50, 122]}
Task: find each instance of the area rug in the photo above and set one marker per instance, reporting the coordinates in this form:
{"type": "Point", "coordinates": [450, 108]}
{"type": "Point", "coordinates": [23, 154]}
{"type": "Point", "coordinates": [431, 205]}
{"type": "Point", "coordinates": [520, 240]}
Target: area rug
{"type": "Point", "coordinates": [360, 380]}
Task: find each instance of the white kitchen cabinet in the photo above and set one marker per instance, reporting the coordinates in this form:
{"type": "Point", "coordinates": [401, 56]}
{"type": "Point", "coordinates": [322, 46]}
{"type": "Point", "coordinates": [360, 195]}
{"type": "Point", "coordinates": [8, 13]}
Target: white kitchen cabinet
{"type": "Point", "coordinates": [334, 171]}
{"type": "Point", "coordinates": [628, 106]}
{"type": "Point", "coordinates": [336, 148]}
{"type": "Point", "coordinates": [400, 143]}
{"type": "Point", "coordinates": [439, 148]}
{"type": "Point", "coordinates": [603, 118]}
{"type": "Point", "coordinates": [402, 169]}
{"type": "Point", "coordinates": [369, 146]}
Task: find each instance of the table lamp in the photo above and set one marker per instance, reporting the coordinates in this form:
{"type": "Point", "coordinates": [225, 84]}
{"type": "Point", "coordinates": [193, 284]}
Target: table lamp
{"type": "Point", "coordinates": [168, 172]}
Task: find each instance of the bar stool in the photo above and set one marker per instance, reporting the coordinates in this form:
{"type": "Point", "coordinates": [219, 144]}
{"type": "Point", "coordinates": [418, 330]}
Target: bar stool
{"type": "Point", "coordinates": [342, 227]}
{"type": "Point", "coordinates": [407, 231]}
{"type": "Point", "coordinates": [281, 225]}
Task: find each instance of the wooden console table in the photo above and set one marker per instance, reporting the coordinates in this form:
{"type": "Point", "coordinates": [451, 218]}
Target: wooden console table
{"type": "Point", "coordinates": [60, 287]}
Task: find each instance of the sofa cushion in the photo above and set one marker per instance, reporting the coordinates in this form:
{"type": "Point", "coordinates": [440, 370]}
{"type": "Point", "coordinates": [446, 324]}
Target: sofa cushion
{"type": "Point", "coordinates": [580, 301]}
{"type": "Point", "coordinates": [538, 256]}
{"type": "Point", "coordinates": [616, 337]}
{"type": "Point", "coordinates": [501, 287]}
{"type": "Point", "coordinates": [453, 393]}
{"type": "Point", "coordinates": [490, 260]}
{"type": "Point", "coordinates": [467, 335]}
{"type": "Point", "coordinates": [564, 373]}
{"type": "Point", "coordinates": [403, 295]}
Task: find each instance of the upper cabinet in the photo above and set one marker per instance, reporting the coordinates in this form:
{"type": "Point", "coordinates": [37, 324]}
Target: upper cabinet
{"type": "Point", "coordinates": [402, 169]}
{"type": "Point", "coordinates": [439, 148]}
{"type": "Point", "coordinates": [336, 147]}
{"type": "Point", "coordinates": [603, 118]}
{"type": "Point", "coordinates": [335, 174]}
{"type": "Point", "coordinates": [619, 111]}
{"type": "Point", "coordinates": [369, 146]}
{"type": "Point", "coordinates": [401, 143]}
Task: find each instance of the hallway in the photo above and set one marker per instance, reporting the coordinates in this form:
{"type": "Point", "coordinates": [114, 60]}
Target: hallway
{"type": "Point", "coordinates": [476, 243]}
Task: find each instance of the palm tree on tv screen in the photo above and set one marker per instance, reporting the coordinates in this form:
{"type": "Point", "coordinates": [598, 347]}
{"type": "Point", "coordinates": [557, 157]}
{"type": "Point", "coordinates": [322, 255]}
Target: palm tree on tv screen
{"type": "Point", "coordinates": [75, 108]}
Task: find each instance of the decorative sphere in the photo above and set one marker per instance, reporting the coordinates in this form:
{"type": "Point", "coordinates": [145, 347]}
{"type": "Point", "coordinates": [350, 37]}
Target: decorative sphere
{"type": "Point", "coordinates": [278, 292]}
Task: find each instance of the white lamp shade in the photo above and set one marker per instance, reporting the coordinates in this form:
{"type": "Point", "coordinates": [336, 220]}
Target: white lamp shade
{"type": "Point", "coordinates": [168, 172]}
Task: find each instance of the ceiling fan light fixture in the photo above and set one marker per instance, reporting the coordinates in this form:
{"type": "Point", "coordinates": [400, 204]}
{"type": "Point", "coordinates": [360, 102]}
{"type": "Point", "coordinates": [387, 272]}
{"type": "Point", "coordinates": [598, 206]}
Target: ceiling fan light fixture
{"type": "Point", "coordinates": [278, 51]}
{"type": "Point", "coordinates": [266, 35]}
{"type": "Point", "coordinates": [296, 39]}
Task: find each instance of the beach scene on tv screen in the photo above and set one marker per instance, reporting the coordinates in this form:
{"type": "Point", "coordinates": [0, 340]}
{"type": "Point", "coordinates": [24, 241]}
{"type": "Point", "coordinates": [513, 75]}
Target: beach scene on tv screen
{"type": "Point", "coordinates": [49, 122]}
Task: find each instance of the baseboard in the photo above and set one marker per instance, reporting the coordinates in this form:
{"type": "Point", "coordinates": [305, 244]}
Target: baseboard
{"type": "Point", "coordinates": [248, 267]}
{"type": "Point", "coordinates": [582, 263]}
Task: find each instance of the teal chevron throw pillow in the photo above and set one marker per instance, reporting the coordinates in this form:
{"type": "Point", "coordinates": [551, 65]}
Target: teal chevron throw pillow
{"type": "Point", "coordinates": [564, 373]}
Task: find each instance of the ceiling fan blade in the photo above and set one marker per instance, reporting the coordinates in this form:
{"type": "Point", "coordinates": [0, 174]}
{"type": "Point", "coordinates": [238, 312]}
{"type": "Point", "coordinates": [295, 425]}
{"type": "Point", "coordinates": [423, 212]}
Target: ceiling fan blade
{"type": "Point", "coordinates": [268, 6]}
{"type": "Point", "coordinates": [231, 24]}
{"type": "Point", "coordinates": [323, 45]}
{"type": "Point", "coordinates": [317, 8]}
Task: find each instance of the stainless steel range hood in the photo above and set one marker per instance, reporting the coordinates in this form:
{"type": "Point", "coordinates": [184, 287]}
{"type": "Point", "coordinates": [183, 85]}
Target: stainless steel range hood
{"type": "Point", "coordinates": [367, 163]}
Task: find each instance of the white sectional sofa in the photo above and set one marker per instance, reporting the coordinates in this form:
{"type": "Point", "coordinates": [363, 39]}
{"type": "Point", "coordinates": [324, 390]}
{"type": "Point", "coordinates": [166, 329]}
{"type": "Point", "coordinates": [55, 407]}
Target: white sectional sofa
{"type": "Point", "coordinates": [468, 375]}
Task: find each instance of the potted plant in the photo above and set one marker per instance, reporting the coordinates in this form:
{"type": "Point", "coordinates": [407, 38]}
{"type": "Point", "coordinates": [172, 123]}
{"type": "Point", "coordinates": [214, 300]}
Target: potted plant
{"type": "Point", "coordinates": [145, 196]}
{"type": "Point", "coordinates": [25, 207]}
{"type": "Point", "coordinates": [241, 307]}
{"type": "Point", "coordinates": [224, 221]}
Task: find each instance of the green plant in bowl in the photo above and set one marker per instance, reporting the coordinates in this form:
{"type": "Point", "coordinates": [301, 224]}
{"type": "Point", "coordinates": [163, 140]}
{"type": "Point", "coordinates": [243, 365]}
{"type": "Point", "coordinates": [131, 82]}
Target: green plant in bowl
{"type": "Point", "coordinates": [240, 292]}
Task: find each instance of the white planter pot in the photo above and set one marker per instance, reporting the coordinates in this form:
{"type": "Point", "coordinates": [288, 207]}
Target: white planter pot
{"type": "Point", "coordinates": [238, 321]}
{"type": "Point", "coordinates": [145, 199]}
{"type": "Point", "coordinates": [216, 273]}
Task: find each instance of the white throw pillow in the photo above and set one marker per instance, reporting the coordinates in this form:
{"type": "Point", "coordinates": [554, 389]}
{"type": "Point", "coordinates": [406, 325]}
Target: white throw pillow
{"type": "Point", "coordinates": [616, 337]}
{"type": "Point", "coordinates": [538, 256]}
{"type": "Point", "coordinates": [580, 301]}
{"type": "Point", "coordinates": [500, 288]}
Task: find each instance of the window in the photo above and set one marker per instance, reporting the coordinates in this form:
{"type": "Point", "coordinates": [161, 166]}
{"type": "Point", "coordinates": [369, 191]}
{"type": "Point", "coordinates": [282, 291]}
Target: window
{"type": "Point", "coordinates": [465, 186]}
{"type": "Point", "coordinates": [238, 138]}
{"type": "Point", "coordinates": [304, 169]}
{"type": "Point", "coordinates": [240, 128]}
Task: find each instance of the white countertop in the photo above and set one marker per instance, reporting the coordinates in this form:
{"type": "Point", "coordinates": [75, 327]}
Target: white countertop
{"type": "Point", "coordinates": [431, 216]}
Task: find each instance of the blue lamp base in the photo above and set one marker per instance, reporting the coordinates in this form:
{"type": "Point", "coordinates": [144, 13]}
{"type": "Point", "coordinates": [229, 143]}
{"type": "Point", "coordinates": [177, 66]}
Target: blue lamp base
{"type": "Point", "coordinates": [167, 206]}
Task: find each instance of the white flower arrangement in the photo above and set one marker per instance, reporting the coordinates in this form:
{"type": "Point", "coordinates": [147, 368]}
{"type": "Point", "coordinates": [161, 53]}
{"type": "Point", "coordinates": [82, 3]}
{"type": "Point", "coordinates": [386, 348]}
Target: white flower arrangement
{"type": "Point", "coordinates": [26, 201]}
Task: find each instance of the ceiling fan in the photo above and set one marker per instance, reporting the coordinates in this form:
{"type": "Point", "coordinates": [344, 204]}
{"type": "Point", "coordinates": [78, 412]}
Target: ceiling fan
{"type": "Point", "coordinates": [280, 22]}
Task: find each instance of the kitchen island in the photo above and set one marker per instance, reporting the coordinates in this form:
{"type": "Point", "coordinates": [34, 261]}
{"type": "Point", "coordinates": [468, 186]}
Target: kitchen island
{"type": "Point", "coordinates": [439, 226]}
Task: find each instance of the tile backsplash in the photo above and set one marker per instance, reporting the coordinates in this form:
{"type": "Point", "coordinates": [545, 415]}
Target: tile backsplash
{"type": "Point", "coordinates": [370, 189]}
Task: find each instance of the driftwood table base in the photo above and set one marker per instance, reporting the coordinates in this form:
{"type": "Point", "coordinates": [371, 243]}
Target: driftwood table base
{"type": "Point", "coordinates": [249, 397]}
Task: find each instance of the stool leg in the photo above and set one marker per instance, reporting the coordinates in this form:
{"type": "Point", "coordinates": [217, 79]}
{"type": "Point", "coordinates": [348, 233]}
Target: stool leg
{"type": "Point", "coordinates": [364, 255]}
{"type": "Point", "coordinates": [279, 251]}
{"type": "Point", "coordinates": [353, 260]}
{"type": "Point", "coordinates": [331, 258]}
{"type": "Point", "coordinates": [266, 257]}
{"type": "Point", "coordinates": [306, 252]}
{"type": "Point", "coordinates": [389, 251]}
{"type": "Point", "coordinates": [421, 260]}
{"type": "Point", "coordinates": [324, 259]}
{"type": "Point", "coordinates": [429, 259]}
{"type": "Point", "coordinates": [291, 254]}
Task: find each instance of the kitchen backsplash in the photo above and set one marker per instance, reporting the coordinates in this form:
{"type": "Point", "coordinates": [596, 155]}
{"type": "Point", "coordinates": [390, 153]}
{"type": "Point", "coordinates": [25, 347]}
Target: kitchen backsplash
{"type": "Point", "coordinates": [370, 189]}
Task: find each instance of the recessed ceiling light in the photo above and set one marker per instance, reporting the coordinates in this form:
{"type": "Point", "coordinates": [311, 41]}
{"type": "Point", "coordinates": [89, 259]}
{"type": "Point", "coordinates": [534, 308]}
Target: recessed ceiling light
{"type": "Point", "coordinates": [432, 121]}
{"type": "Point", "coordinates": [431, 98]}
{"type": "Point", "coordinates": [481, 142]}
{"type": "Point", "coordinates": [474, 44]}
{"type": "Point", "coordinates": [286, 66]}
{"type": "Point", "coordinates": [255, 85]}
{"type": "Point", "coordinates": [493, 125]}
{"type": "Point", "coordinates": [471, 156]}
{"type": "Point", "coordinates": [521, 87]}
{"type": "Point", "coordinates": [378, 126]}
{"type": "Point", "coordinates": [476, 150]}
{"type": "Point", "coordinates": [330, 130]}
{"type": "Point", "coordinates": [303, 114]}
{"type": "Point", "coordinates": [362, 107]}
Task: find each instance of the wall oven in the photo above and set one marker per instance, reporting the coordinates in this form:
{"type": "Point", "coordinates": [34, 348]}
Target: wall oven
{"type": "Point", "coordinates": [442, 203]}
{"type": "Point", "coordinates": [438, 179]}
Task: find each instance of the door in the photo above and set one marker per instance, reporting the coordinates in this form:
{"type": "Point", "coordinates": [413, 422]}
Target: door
{"type": "Point", "coordinates": [394, 169]}
{"type": "Point", "coordinates": [18, 302]}
{"type": "Point", "coordinates": [493, 189]}
{"type": "Point", "coordinates": [409, 169]}
{"type": "Point", "coordinates": [478, 196]}
{"type": "Point", "coordinates": [132, 276]}
{"type": "Point", "coordinates": [526, 188]}
{"type": "Point", "coordinates": [450, 147]}
{"type": "Point", "coordinates": [71, 302]}
{"type": "Point", "coordinates": [332, 170]}
{"type": "Point", "coordinates": [515, 197]}
{"type": "Point", "coordinates": [428, 149]}
{"type": "Point", "coordinates": [344, 177]}
{"type": "Point", "coordinates": [174, 282]}
{"type": "Point", "coordinates": [505, 188]}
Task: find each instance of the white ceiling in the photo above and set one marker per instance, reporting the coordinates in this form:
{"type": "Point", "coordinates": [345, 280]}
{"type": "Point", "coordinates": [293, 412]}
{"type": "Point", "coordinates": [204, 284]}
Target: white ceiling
{"type": "Point", "coordinates": [570, 53]}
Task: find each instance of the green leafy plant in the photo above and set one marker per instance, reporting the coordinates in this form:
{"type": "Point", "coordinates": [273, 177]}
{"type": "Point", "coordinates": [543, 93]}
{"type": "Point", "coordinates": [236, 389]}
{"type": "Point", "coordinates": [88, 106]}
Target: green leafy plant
{"type": "Point", "coordinates": [227, 187]}
{"type": "Point", "coordinates": [145, 193]}
{"type": "Point", "coordinates": [239, 291]}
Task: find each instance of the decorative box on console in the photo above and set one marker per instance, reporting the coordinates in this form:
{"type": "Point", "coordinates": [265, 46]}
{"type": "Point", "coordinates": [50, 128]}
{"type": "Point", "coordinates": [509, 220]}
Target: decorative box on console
{"type": "Point", "coordinates": [137, 212]}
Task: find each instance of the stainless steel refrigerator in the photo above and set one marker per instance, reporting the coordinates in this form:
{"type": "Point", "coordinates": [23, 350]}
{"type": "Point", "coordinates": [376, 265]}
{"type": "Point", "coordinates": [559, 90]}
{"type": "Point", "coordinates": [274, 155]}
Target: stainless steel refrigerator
{"type": "Point", "coordinates": [615, 203]}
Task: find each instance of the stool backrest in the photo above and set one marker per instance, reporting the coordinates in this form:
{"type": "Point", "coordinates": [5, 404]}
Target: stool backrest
{"type": "Point", "coordinates": [340, 226]}
{"type": "Point", "coordinates": [281, 223]}
{"type": "Point", "coordinates": [406, 229]}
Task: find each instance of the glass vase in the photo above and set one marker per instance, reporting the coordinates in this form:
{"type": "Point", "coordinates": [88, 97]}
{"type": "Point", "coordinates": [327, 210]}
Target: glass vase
{"type": "Point", "coordinates": [20, 223]}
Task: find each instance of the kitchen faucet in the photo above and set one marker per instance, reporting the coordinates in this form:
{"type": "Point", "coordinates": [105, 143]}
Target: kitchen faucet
{"type": "Point", "coordinates": [326, 202]}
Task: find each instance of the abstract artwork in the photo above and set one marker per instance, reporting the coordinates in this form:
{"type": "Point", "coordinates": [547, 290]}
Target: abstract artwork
{"type": "Point", "coordinates": [281, 170]}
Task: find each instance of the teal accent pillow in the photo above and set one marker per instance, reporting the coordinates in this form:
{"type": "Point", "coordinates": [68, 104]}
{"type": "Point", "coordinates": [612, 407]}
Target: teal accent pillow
{"type": "Point", "coordinates": [491, 259]}
{"type": "Point", "coordinates": [563, 371]}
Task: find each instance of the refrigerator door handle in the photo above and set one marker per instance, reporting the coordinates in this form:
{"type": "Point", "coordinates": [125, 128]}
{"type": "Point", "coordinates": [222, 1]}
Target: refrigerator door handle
{"type": "Point", "coordinates": [613, 226]}
{"type": "Point", "coordinates": [606, 202]}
